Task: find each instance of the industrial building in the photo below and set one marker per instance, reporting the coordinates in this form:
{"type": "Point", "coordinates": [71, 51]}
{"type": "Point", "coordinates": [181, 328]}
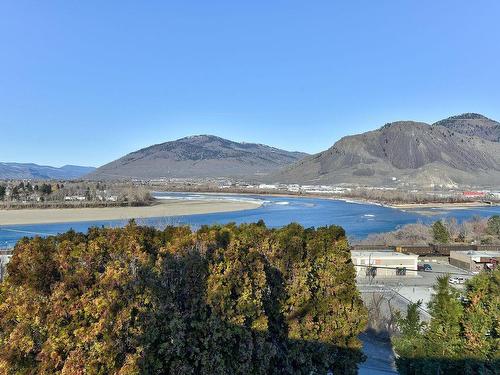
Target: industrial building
{"type": "Point", "coordinates": [384, 263]}
{"type": "Point", "coordinates": [475, 261]}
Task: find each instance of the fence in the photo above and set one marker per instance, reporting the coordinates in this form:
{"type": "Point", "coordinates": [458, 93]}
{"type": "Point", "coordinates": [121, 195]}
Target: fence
{"type": "Point", "coordinates": [427, 250]}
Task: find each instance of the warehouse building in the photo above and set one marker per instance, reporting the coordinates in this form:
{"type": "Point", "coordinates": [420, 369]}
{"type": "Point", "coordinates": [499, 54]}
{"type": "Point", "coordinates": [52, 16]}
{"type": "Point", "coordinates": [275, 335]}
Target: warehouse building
{"type": "Point", "coordinates": [384, 263]}
{"type": "Point", "coordinates": [475, 261]}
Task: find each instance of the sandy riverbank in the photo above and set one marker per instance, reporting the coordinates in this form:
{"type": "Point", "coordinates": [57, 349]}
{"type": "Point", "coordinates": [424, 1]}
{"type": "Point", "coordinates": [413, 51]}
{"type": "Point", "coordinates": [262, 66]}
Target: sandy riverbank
{"type": "Point", "coordinates": [163, 208]}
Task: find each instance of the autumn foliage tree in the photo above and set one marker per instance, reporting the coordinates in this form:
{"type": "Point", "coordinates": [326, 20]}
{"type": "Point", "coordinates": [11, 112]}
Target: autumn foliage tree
{"type": "Point", "coordinates": [222, 300]}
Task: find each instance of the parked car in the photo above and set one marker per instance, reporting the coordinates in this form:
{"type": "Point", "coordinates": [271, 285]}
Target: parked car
{"type": "Point", "coordinates": [457, 280]}
{"type": "Point", "coordinates": [424, 267]}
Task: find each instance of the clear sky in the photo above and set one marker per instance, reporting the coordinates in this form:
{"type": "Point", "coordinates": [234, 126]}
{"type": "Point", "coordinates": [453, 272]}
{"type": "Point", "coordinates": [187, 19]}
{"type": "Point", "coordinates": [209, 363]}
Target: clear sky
{"type": "Point", "coordinates": [85, 82]}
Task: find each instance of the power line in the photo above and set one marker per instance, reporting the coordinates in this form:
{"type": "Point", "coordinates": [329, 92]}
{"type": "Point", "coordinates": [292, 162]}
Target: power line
{"type": "Point", "coordinates": [394, 268]}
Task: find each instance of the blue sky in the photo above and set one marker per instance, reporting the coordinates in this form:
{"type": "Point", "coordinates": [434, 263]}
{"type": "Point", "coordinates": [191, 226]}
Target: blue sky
{"type": "Point", "coordinates": [84, 82]}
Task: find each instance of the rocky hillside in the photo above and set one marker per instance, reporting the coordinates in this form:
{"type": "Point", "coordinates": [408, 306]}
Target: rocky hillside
{"type": "Point", "coordinates": [456, 151]}
{"type": "Point", "coordinates": [17, 171]}
{"type": "Point", "coordinates": [474, 125]}
{"type": "Point", "coordinates": [198, 156]}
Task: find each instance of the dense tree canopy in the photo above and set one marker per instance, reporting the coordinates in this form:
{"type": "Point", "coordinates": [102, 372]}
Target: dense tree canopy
{"type": "Point", "coordinates": [222, 300]}
{"type": "Point", "coordinates": [463, 335]}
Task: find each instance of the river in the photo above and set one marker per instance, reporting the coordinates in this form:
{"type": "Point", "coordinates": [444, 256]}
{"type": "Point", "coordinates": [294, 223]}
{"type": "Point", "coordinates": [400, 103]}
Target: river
{"type": "Point", "coordinates": [358, 219]}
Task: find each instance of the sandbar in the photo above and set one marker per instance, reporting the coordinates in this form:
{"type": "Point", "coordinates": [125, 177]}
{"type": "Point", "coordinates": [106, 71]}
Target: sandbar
{"type": "Point", "coordinates": [161, 209]}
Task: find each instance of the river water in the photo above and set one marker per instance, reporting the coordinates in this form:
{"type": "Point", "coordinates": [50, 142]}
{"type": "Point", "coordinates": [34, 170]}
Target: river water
{"type": "Point", "coordinates": [358, 219]}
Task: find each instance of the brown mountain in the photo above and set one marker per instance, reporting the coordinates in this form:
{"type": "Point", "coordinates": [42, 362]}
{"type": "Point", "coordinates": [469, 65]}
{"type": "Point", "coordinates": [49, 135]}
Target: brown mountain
{"type": "Point", "coordinates": [201, 156]}
{"type": "Point", "coordinates": [473, 124]}
{"type": "Point", "coordinates": [409, 153]}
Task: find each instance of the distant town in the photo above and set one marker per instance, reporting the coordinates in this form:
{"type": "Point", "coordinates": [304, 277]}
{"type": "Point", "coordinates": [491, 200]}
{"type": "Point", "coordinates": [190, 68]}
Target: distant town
{"type": "Point", "coordinates": [18, 194]}
{"type": "Point", "coordinates": [375, 194]}
{"type": "Point", "coordinates": [26, 193]}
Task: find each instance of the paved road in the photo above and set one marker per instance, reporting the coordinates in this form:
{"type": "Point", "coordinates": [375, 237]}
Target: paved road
{"type": "Point", "coordinates": [380, 357]}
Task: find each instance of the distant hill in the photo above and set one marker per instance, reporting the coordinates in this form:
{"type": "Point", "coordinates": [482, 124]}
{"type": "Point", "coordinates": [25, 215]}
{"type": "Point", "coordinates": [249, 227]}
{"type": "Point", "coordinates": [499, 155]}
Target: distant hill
{"type": "Point", "coordinates": [41, 172]}
{"type": "Point", "coordinates": [473, 124]}
{"type": "Point", "coordinates": [198, 156]}
{"type": "Point", "coordinates": [461, 150]}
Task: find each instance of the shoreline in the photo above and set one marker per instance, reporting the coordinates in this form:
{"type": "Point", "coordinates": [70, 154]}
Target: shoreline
{"type": "Point", "coordinates": [398, 206]}
{"type": "Point", "coordinates": [165, 208]}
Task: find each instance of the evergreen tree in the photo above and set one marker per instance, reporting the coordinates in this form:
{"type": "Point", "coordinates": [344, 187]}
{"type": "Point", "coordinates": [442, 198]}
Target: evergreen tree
{"type": "Point", "coordinates": [440, 232]}
{"type": "Point", "coordinates": [481, 322]}
{"type": "Point", "coordinates": [443, 336]}
{"type": "Point", "coordinates": [87, 194]}
{"type": "Point", "coordinates": [15, 193]}
{"type": "Point", "coordinates": [410, 344]}
{"type": "Point", "coordinates": [46, 189]}
{"type": "Point", "coordinates": [463, 336]}
{"type": "Point", "coordinates": [494, 225]}
{"type": "Point", "coordinates": [411, 325]}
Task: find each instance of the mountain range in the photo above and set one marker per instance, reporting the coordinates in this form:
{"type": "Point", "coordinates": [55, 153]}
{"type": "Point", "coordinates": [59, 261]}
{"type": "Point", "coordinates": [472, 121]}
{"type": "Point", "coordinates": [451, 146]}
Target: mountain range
{"type": "Point", "coordinates": [460, 150]}
{"type": "Point", "coordinates": [16, 171]}
{"type": "Point", "coordinates": [200, 156]}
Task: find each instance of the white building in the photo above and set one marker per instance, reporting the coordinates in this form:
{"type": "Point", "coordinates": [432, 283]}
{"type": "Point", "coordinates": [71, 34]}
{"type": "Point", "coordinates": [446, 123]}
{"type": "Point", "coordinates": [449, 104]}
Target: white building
{"type": "Point", "coordinates": [75, 198]}
{"type": "Point", "coordinates": [5, 256]}
{"type": "Point", "coordinates": [384, 263]}
{"type": "Point", "coordinates": [267, 186]}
